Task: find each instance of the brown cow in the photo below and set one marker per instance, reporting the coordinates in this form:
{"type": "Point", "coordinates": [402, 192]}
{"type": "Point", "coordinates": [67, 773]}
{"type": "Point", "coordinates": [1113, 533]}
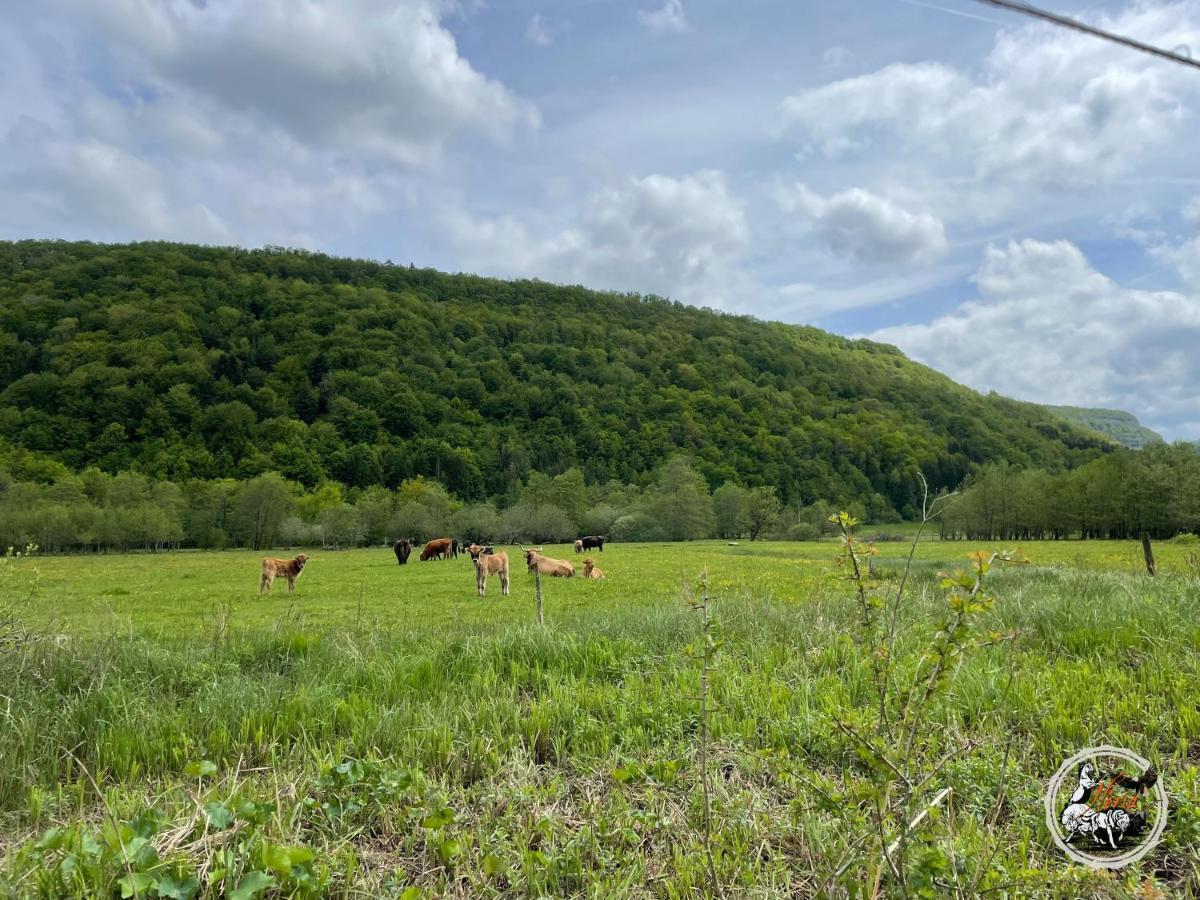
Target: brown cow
{"type": "Point", "coordinates": [488, 562]}
{"type": "Point", "coordinates": [403, 548]}
{"type": "Point", "coordinates": [579, 546]}
{"type": "Point", "coordinates": [438, 548]}
{"type": "Point", "coordinates": [590, 570]}
{"type": "Point", "coordinates": [281, 568]}
{"type": "Point", "coordinates": [559, 568]}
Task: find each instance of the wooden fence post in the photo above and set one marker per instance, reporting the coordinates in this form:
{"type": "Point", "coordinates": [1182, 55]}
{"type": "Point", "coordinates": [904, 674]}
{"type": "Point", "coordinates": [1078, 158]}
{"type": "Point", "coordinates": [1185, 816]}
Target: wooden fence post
{"type": "Point", "coordinates": [1148, 552]}
{"type": "Point", "coordinates": [537, 587]}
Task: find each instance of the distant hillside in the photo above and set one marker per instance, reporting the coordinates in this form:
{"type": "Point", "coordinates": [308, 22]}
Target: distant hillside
{"type": "Point", "coordinates": [1122, 427]}
{"type": "Point", "coordinates": [186, 361]}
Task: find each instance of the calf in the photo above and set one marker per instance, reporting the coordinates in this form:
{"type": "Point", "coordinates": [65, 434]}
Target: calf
{"type": "Point", "coordinates": [559, 568]}
{"type": "Point", "coordinates": [281, 568]}
{"type": "Point", "coordinates": [592, 542]}
{"type": "Point", "coordinates": [438, 548]}
{"type": "Point", "coordinates": [488, 562]}
{"type": "Point", "coordinates": [402, 549]}
{"type": "Point", "coordinates": [590, 570]}
{"type": "Point", "coordinates": [579, 546]}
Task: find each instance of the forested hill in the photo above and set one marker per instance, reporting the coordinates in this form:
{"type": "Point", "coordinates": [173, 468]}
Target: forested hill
{"type": "Point", "coordinates": [198, 362]}
{"type": "Point", "coordinates": [1122, 427]}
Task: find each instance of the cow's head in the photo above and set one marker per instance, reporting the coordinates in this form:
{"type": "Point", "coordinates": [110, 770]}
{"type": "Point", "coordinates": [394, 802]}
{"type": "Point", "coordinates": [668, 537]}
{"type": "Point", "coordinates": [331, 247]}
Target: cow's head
{"type": "Point", "coordinates": [476, 551]}
{"type": "Point", "coordinates": [300, 561]}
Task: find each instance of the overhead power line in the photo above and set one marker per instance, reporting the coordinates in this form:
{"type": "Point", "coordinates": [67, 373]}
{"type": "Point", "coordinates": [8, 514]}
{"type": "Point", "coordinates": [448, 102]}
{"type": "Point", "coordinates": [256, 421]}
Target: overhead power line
{"type": "Point", "coordinates": [1066, 22]}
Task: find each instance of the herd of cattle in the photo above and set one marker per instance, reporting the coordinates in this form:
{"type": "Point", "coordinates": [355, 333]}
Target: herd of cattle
{"type": "Point", "coordinates": [485, 560]}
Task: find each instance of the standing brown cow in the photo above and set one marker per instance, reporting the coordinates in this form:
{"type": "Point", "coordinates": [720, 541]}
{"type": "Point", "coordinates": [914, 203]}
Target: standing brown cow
{"type": "Point", "coordinates": [281, 568]}
{"type": "Point", "coordinates": [488, 562]}
{"type": "Point", "coordinates": [438, 548]}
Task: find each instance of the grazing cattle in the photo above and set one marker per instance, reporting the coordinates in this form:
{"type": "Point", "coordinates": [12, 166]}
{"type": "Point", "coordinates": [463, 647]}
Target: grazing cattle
{"type": "Point", "coordinates": [592, 542]}
{"type": "Point", "coordinates": [579, 546]}
{"type": "Point", "coordinates": [281, 568]}
{"type": "Point", "coordinates": [403, 548]}
{"type": "Point", "coordinates": [454, 547]}
{"type": "Point", "coordinates": [438, 548]}
{"type": "Point", "coordinates": [590, 570]}
{"type": "Point", "coordinates": [488, 562]}
{"type": "Point", "coordinates": [559, 568]}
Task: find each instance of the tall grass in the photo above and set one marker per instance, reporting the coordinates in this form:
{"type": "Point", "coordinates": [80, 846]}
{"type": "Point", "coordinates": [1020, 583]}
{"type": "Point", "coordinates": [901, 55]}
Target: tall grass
{"type": "Point", "coordinates": [562, 761]}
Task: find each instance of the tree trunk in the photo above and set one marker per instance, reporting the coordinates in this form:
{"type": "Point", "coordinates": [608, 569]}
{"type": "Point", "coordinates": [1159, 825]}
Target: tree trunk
{"type": "Point", "coordinates": [1148, 552]}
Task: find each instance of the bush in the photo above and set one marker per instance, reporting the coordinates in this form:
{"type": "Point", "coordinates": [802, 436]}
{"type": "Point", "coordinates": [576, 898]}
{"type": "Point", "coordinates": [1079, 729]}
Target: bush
{"type": "Point", "coordinates": [536, 523]}
{"type": "Point", "coordinates": [1186, 537]}
{"type": "Point", "coordinates": [636, 527]}
{"type": "Point", "coordinates": [803, 531]}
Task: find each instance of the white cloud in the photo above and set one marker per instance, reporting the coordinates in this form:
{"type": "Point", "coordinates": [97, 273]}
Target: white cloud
{"type": "Point", "coordinates": [835, 57]}
{"type": "Point", "coordinates": [1048, 327]}
{"type": "Point", "coordinates": [233, 121]}
{"type": "Point", "coordinates": [667, 18]}
{"type": "Point", "coordinates": [681, 237]}
{"type": "Point", "coordinates": [1184, 256]}
{"type": "Point", "coordinates": [1191, 212]}
{"type": "Point", "coordinates": [864, 226]}
{"type": "Point", "coordinates": [1050, 107]}
{"type": "Point", "coordinates": [380, 77]}
{"type": "Point", "coordinates": [537, 32]}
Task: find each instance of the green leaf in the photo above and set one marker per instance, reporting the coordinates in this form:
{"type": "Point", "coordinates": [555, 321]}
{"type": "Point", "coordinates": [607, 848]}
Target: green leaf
{"type": "Point", "coordinates": [51, 839]}
{"type": "Point", "coordinates": [493, 865]}
{"type": "Point", "coordinates": [218, 815]}
{"type": "Point", "coordinates": [282, 859]}
{"type": "Point", "coordinates": [167, 886]}
{"type": "Point", "coordinates": [135, 884]}
{"type": "Point", "coordinates": [252, 884]}
{"type": "Point", "coordinates": [438, 819]}
{"type": "Point", "coordinates": [450, 850]}
{"type": "Point", "coordinates": [200, 769]}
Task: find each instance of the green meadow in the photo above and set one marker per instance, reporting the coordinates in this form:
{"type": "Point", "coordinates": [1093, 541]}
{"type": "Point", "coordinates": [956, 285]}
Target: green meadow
{"type": "Point", "coordinates": [384, 731]}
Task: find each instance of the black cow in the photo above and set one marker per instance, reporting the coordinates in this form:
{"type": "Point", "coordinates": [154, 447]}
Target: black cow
{"type": "Point", "coordinates": [454, 548]}
{"type": "Point", "coordinates": [402, 548]}
{"type": "Point", "coordinates": [592, 542]}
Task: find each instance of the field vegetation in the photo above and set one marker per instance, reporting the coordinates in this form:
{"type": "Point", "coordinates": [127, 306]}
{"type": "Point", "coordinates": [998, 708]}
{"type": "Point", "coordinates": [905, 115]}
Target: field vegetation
{"type": "Point", "coordinates": [384, 731]}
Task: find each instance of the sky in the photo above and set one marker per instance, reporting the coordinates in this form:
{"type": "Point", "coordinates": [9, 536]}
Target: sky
{"type": "Point", "coordinates": [1011, 203]}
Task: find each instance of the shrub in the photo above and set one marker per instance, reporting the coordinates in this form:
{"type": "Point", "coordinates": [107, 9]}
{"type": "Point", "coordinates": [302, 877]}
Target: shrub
{"type": "Point", "coordinates": [803, 531]}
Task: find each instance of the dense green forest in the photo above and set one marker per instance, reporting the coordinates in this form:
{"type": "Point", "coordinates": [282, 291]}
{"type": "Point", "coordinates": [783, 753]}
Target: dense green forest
{"type": "Point", "coordinates": [45, 505]}
{"type": "Point", "coordinates": [188, 363]}
{"type": "Point", "coordinates": [1122, 427]}
{"type": "Point", "coordinates": [1156, 490]}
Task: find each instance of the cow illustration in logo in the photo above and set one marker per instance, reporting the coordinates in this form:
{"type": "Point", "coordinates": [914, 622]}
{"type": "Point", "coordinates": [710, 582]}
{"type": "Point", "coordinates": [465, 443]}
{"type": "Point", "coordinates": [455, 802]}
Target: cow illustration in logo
{"type": "Point", "coordinates": [1093, 795]}
{"type": "Point", "coordinates": [1096, 809]}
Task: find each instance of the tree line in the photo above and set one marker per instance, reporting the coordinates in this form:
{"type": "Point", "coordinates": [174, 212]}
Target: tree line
{"type": "Point", "coordinates": [191, 364]}
{"type": "Point", "coordinates": [95, 511]}
{"type": "Point", "coordinates": [1118, 496]}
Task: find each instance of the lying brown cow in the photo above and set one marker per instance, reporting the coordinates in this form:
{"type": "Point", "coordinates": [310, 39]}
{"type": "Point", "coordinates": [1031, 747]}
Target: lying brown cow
{"type": "Point", "coordinates": [590, 570]}
{"type": "Point", "coordinates": [281, 568]}
{"type": "Point", "coordinates": [488, 562]}
{"type": "Point", "coordinates": [403, 548]}
{"type": "Point", "coordinates": [559, 568]}
{"type": "Point", "coordinates": [439, 548]}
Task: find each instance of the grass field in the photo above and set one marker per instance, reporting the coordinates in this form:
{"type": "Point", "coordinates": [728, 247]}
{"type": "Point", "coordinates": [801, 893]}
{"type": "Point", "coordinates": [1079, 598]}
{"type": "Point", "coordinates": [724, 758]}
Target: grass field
{"type": "Point", "coordinates": [167, 732]}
